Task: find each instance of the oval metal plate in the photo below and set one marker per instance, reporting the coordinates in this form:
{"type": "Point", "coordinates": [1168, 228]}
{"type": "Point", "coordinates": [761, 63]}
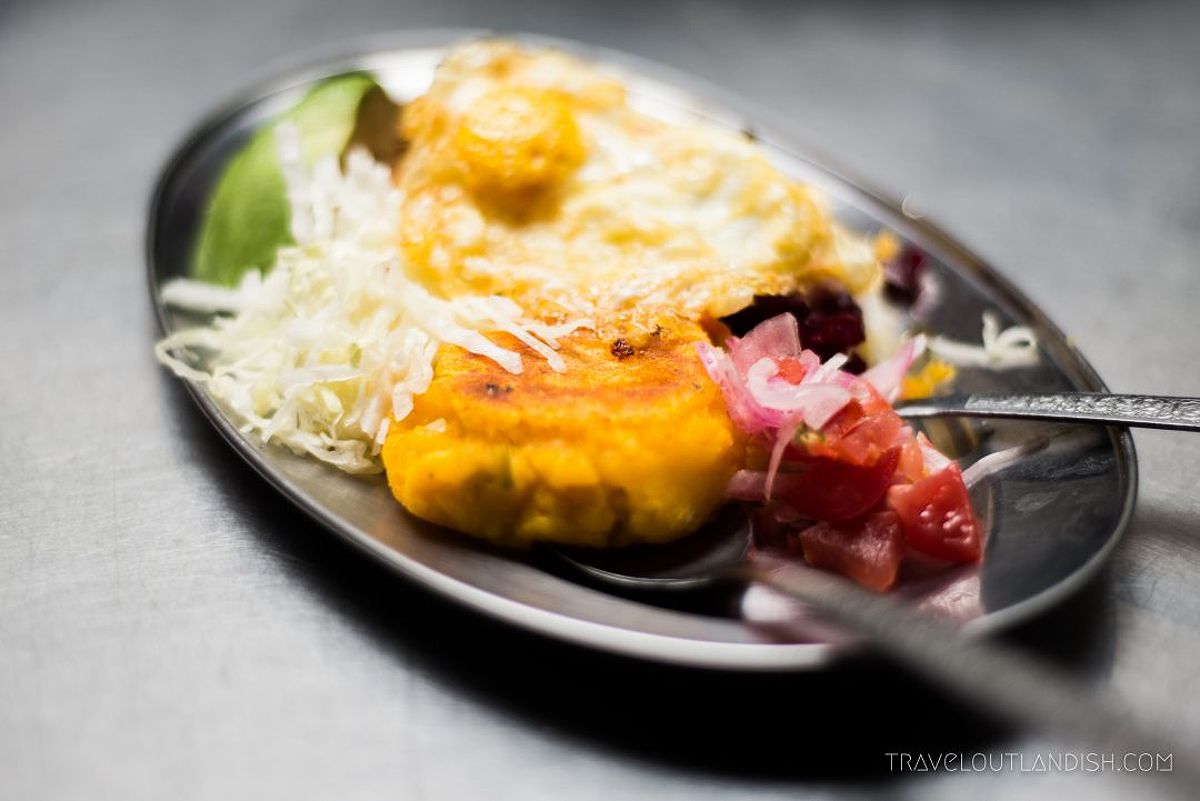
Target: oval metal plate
{"type": "Point", "coordinates": [1052, 518]}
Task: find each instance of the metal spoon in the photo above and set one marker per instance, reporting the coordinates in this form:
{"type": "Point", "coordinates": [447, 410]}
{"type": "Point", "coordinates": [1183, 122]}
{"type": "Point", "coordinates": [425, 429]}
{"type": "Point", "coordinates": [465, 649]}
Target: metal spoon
{"type": "Point", "coordinates": [1143, 411]}
{"type": "Point", "coordinates": [1009, 684]}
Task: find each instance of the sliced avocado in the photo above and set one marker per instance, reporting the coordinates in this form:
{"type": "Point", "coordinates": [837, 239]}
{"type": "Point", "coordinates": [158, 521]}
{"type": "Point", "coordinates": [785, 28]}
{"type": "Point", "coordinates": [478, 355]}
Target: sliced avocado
{"type": "Point", "coordinates": [248, 216]}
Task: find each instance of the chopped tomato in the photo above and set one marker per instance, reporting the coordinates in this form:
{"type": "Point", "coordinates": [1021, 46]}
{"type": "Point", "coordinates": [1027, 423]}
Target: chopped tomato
{"type": "Point", "coordinates": [912, 461]}
{"type": "Point", "coordinates": [827, 489]}
{"type": "Point", "coordinates": [867, 550]}
{"type": "Point", "coordinates": [861, 432]}
{"type": "Point", "coordinates": [937, 518]}
{"type": "Point", "coordinates": [869, 398]}
{"type": "Point", "coordinates": [870, 439]}
{"type": "Point", "coordinates": [791, 369]}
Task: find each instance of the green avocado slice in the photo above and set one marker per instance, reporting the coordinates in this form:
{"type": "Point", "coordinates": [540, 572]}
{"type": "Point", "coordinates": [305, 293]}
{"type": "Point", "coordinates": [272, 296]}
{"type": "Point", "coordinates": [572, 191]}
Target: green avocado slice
{"type": "Point", "coordinates": [248, 217]}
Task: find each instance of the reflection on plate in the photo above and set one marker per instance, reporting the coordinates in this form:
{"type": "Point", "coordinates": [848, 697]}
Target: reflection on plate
{"type": "Point", "coordinates": [1052, 516]}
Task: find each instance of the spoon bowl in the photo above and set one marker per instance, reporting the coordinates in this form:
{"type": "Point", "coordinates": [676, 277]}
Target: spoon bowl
{"type": "Point", "coordinates": [713, 555]}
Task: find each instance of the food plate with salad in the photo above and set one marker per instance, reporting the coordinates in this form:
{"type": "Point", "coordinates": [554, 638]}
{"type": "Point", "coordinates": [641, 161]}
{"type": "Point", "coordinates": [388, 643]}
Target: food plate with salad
{"type": "Point", "coordinates": [462, 297]}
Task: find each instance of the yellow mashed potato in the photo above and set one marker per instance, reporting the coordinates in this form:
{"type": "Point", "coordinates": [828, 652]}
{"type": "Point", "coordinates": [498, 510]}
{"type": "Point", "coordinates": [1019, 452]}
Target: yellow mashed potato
{"type": "Point", "coordinates": [631, 443]}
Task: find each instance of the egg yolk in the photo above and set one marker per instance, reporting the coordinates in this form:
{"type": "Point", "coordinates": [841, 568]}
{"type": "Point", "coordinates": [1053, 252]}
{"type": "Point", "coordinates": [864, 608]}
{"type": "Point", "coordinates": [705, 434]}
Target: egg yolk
{"type": "Point", "coordinates": [514, 140]}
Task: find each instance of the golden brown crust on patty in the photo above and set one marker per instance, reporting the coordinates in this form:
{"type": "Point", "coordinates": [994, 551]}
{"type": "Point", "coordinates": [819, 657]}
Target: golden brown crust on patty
{"type": "Point", "coordinates": [631, 443]}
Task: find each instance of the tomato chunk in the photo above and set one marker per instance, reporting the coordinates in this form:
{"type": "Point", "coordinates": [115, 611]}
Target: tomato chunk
{"type": "Point", "coordinates": [912, 461]}
{"type": "Point", "coordinates": [867, 550]}
{"type": "Point", "coordinates": [791, 369]}
{"type": "Point", "coordinates": [935, 513]}
{"type": "Point", "coordinates": [861, 432]}
{"type": "Point", "coordinates": [827, 489]}
{"type": "Point", "coordinates": [867, 441]}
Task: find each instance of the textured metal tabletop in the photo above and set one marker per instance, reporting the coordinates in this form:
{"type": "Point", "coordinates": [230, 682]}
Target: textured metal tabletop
{"type": "Point", "coordinates": [170, 628]}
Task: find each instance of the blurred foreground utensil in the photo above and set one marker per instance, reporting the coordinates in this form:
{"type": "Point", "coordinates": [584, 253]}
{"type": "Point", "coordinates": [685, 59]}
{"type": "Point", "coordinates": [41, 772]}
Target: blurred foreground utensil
{"type": "Point", "coordinates": [1006, 683]}
{"type": "Point", "coordinates": [1140, 411]}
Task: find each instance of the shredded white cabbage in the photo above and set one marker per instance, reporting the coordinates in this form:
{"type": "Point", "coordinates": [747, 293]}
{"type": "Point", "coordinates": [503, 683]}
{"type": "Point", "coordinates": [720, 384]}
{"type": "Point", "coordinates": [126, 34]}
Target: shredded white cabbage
{"type": "Point", "coordinates": [1013, 347]}
{"type": "Point", "coordinates": [336, 338]}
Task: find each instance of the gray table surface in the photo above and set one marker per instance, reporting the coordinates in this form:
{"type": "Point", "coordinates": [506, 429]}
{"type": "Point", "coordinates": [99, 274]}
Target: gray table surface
{"type": "Point", "coordinates": [169, 628]}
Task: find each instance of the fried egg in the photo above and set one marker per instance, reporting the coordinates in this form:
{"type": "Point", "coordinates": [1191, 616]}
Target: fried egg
{"type": "Point", "coordinates": [530, 174]}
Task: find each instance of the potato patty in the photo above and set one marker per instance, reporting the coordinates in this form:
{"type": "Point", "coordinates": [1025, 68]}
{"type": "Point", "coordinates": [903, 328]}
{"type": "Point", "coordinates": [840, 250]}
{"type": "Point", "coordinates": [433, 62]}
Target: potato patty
{"type": "Point", "coordinates": [631, 443]}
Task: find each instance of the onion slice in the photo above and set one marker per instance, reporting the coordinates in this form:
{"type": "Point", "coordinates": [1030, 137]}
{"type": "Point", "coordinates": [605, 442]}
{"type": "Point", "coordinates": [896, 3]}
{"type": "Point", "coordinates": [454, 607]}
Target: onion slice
{"type": "Point", "coordinates": [888, 375]}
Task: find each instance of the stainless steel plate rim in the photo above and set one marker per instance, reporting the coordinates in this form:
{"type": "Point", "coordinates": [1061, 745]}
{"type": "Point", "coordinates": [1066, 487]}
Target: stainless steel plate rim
{"type": "Point", "coordinates": [681, 650]}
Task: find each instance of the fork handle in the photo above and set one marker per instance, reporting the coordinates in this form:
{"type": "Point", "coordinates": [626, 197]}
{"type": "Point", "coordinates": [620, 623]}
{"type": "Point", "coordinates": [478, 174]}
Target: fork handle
{"type": "Point", "coordinates": [1004, 681]}
{"type": "Point", "coordinates": [1142, 411]}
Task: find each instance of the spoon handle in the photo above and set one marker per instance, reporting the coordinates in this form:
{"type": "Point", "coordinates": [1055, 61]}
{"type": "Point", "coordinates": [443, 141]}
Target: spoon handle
{"type": "Point", "coordinates": [1143, 411]}
{"type": "Point", "coordinates": [1011, 685]}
